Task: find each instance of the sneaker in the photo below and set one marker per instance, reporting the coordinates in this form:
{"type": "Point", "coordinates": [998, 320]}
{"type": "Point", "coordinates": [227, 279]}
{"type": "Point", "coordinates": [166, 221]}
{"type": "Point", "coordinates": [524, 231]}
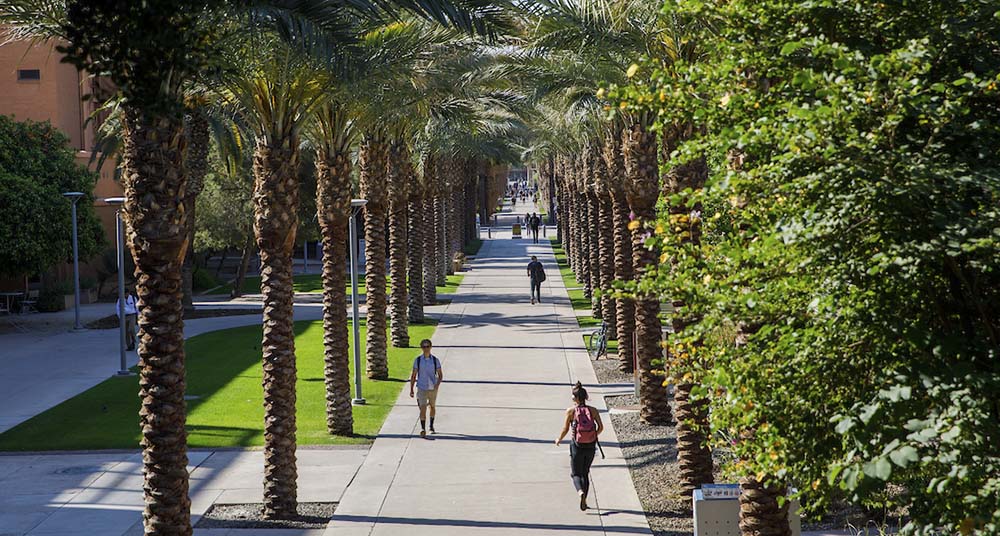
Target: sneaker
{"type": "Point", "coordinates": [432, 430]}
{"type": "Point", "coordinates": [532, 301]}
{"type": "Point", "coordinates": [423, 433]}
{"type": "Point", "coordinates": [583, 502]}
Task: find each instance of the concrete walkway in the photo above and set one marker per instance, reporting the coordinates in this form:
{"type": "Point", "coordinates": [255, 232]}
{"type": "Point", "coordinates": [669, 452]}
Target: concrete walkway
{"type": "Point", "coordinates": [492, 468]}
{"type": "Point", "coordinates": [101, 494]}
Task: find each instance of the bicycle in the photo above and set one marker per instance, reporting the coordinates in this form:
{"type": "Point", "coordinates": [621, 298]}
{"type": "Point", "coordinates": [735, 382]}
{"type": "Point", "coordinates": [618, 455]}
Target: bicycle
{"type": "Point", "coordinates": [597, 342]}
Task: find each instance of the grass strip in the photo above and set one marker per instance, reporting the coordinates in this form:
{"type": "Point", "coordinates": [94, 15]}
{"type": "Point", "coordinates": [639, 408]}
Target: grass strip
{"type": "Point", "coordinates": [226, 410]}
{"type": "Point", "coordinates": [576, 296]}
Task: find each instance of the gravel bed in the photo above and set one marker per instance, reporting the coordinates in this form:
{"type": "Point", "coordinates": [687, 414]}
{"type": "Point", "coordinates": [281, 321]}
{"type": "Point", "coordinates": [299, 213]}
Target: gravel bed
{"type": "Point", "coordinates": [250, 516]}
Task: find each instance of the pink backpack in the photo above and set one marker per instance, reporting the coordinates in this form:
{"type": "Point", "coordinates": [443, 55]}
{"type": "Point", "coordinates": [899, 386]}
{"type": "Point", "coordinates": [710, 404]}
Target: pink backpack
{"type": "Point", "coordinates": [585, 430]}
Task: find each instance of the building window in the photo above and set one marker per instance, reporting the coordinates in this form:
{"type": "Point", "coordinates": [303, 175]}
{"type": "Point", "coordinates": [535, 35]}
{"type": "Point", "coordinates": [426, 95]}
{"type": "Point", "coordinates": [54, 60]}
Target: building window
{"type": "Point", "coordinates": [29, 74]}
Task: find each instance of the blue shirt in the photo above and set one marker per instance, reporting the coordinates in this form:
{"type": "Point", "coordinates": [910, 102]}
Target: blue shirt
{"type": "Point", "coordinates": [426, 372]}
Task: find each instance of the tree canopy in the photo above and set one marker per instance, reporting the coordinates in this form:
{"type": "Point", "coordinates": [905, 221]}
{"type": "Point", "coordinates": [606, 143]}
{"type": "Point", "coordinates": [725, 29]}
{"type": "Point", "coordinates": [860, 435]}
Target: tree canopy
{"type": "Point", "coordinates": [36, 167]}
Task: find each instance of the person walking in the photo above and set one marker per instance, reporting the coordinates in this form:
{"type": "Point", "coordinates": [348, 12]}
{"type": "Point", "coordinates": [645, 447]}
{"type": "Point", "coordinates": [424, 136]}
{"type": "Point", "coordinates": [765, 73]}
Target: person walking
{"type": "Point", "coordinates": [535, 221]}
{"type": "Point", "coordinates": [586, 425]}
{"type": "Point", "coordinates": [131, 315]}
{"type": "Point", "coordinates": [537, 274]}
{"type": "Point", "coordinates": [427, 376]}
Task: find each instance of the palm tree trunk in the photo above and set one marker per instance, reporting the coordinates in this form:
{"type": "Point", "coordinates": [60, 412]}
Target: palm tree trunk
{"type": "Point", "coordinates": [154, 180]}
{"type": "Point", "coordinates": [372, 167]}
{"type": "Point", "coordinates": [760, 512]}
{"type": "Point", "coordinates": [399, 176]}
{"type": "Point", "coordinates": [333, 205]}
{"type": "Point", "coordinates": [197, 168]}
{"type": "Point", "coordinates": [606, 244]}
{"type": "Point", "coordinates": [429, 233]}
{"type": "Point", "coordinates": [624, 308]}
{"type": "Point", "coordinates": [594, 252]}
{"type": "Point", "coordinates": [693, 454]}
{"type": "Point", "coordinates": [276, 199]}
{"type": "Point", "coordinates": [440, 234]}
{"type": "Point", "coordinates": [414, 251]}
{"type": "Point", "coordinates": [643, 189]}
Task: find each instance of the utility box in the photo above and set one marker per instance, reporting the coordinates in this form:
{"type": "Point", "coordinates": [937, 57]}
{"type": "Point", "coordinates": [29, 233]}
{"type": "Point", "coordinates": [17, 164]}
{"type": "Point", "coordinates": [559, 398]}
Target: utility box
{"type": "Point", "coordinates": [717, 511]}
{"type": "Point", "coordinates": [515, 231]}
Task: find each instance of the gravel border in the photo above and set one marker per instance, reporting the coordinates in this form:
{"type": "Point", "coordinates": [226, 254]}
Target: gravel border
{"type": "Point", "coordinates": [315, 515]}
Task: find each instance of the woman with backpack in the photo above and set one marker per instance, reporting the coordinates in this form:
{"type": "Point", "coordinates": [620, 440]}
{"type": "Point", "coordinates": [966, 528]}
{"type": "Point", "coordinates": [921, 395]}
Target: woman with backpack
{"type": "Point", "coordinates": [586, 424]}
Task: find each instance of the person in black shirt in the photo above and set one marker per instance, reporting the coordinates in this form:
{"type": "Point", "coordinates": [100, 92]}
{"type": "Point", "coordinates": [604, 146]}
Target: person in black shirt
{"type": "Point", "coordinates": [537, 274]}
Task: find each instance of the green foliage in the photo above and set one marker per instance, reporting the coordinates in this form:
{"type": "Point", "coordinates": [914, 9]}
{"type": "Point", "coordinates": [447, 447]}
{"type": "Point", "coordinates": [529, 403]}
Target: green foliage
{"type": "Point", "coordinates": [847, 285]}
{"type": "Point", "coordinates": [148, 49]}
{"type": "Point", "coordinates": [203, 279]}
{"type": "Point", "coordinates": [36, 167]}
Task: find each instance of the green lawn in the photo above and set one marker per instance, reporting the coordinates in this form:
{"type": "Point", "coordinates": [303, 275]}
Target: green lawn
{"type": "Point", "coordinates": [313, 284]}
{"type": "Point", "coordinates": [576, 296]}
{"type": "Point", "coordinates": [472, 248]}
{"type": "Point", "coordinates": [224, 372]}
{"type": "Point", "coordinates": [309, 283]}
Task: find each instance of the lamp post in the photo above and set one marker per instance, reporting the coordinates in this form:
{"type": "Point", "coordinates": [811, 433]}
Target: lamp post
{"type": "Point", "coordinates": [119, 244]}
{"type": "Point", "coordinates": [356, 205]}
{"type": "Point", "coordinates": [74, 197]}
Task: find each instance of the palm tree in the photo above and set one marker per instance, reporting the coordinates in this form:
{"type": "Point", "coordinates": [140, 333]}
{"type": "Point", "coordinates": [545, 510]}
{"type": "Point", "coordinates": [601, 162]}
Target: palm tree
{"type": "Point", "coordinates": [372, 162]}
{"type": "Point", "coordinates": [642, 190]}
{"type": "Point", "coordinates": [431, 244]}
{"type": "Point", "coordinates": [625, 308]}
{"type": "Point", "coordinates": [154, 176]}
{"type": "Point", "coordinates": [606, 243]}
{"type": "Point", "coordinates": [333, 206]}
{"type": "Point", "coordinates": [414, 249]}
{"type": "Point", "coordinates": [398, 185]}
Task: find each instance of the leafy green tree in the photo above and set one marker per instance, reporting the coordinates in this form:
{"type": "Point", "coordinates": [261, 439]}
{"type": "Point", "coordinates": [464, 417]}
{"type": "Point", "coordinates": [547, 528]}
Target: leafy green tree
{"type": "Point", "coordinates": [847, 276]}
{"type": "Point", "coordinates": [36, 167]}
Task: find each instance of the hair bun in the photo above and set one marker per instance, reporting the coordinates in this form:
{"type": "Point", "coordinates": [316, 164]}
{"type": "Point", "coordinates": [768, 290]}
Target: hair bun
{"type": "Point", "coordinates": [578, 384]}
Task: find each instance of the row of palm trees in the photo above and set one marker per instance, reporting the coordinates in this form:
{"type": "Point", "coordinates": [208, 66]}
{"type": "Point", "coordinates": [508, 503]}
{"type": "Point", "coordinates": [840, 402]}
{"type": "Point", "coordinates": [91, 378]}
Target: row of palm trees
{"type": "Point", "coordinates": [609, 170]}
{"type": "Point", "coordinates": [282, 77]}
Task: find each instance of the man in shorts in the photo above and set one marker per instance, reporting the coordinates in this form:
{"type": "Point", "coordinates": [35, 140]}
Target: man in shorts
{"type": "Point", "coordinates": [427, 376]}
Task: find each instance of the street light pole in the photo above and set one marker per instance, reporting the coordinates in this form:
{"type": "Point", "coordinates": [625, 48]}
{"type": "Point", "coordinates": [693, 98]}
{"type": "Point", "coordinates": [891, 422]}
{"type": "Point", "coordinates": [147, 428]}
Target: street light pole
{"type": "Point", "coordinates": [74, 197]}
{"type": "Point", "coordinates": [120, 245]}
{"type": "Point", "coordinates": [356, 205]}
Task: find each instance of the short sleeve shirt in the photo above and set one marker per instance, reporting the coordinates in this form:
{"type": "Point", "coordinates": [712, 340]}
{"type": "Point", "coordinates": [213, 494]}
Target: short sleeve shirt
{"type": "Point", "coordinates": [426, 371]}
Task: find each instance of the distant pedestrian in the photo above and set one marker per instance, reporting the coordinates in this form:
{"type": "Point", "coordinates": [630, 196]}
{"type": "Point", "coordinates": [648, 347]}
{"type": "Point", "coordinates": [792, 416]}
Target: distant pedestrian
{"type": "Point", "coordinates": [427, 375]}
{"type": "Point", "coordinates": [533, 224]}
{"type": "Point", "coordinates": [537, 274]}
{"type": "Point", "coordinates": [586, 424]}
{"type": "Point", "coordinates": [131, 315]}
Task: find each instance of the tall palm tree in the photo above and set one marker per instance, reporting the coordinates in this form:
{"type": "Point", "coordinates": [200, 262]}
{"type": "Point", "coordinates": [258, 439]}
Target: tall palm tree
{"type": "Point", "coordinates": [160, 36]}
{"type": "Point", "coordinates": [639, 149]}
{"type": "Point", "coordinates": [198, 131]}
{"type": "Point", "coordinates": [431, 244]}
{"type": "Point", "coordinates": [414, 249]}
{"type": "Point", "coordinates": [606, 242]}
{"type": "Point", "coordinates": [398, 172]}
{"type": "Point", "coordinates": [333, 206]}
{"type": "Point", "coordinates": [372, 162]}
{"type": "Point", "coordinates": [625, 308]}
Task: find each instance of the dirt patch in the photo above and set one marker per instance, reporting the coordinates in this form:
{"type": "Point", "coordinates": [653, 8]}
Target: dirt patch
{"type": "Point", "coordinates": [111, 321]}
{"type": "Point", "coordinates": [251, 516]}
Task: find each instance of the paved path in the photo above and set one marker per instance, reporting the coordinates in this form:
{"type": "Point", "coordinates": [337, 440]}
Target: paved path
{"type": "Point", "coordinates": [492, 468]}
{"type": "Point", "coordinates": [100, 493]}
